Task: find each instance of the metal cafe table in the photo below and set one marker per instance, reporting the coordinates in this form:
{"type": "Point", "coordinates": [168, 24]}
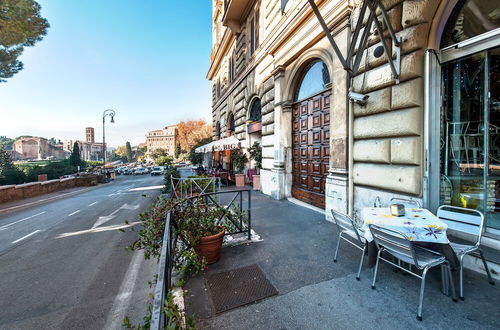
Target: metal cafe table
{"type": "Point", "coordinates": [419, 225]}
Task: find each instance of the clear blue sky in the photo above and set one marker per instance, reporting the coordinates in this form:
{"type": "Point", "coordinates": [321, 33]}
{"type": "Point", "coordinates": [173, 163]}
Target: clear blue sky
{"type": "Point", "coordinates": [147, 59]}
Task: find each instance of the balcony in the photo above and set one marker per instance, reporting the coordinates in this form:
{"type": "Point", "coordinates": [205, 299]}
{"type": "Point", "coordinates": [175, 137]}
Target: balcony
{"type": "Point", "coordinates": [233, 13]}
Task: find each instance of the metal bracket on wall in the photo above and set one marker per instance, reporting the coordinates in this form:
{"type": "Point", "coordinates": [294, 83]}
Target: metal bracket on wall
{"type": "Point", "coordinates": [347, 62]}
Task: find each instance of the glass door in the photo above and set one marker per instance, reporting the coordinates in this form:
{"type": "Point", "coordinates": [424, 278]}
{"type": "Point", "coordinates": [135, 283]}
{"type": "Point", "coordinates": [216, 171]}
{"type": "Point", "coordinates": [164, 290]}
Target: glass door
{"type": "Point", "coordinates": [470, 135]}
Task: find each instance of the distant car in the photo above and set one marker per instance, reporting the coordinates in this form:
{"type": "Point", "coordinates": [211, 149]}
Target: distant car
{"type": "Point", "coordinates": [126, 171]}
{"type": "Point", "coordinates": [140, 171]}
{"type": "Point", "coordinates": [157, 170]}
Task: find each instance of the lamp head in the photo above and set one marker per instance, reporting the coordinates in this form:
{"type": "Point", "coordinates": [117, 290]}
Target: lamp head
{"type": "Point", "coordinates": [112, 119]}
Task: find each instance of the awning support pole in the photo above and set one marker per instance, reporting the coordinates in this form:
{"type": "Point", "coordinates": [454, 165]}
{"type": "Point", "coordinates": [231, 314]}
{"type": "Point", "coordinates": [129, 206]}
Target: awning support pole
{"type": "Point", "coordinates": [347, 64]}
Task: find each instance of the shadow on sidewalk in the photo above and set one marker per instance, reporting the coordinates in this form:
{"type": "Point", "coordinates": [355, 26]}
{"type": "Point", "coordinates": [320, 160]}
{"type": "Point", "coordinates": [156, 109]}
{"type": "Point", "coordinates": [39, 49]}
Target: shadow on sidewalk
{"type": "Point", "coordinates": [296, 256]}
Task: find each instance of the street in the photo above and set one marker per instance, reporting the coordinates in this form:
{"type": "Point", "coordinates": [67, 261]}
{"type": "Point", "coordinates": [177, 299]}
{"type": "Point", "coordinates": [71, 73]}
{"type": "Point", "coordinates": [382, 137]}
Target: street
{"type": "Point", "coordinates": [63, 265]}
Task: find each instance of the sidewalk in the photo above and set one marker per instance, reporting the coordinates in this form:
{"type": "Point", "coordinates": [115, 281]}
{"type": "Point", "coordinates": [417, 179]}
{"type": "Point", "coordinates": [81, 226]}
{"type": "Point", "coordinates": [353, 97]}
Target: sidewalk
{"type": "Point", "coordinates": [296, 256]}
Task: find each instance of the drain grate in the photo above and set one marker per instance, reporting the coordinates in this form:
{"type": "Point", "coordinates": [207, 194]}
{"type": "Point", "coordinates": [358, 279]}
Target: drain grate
{"type": "Point", "coordinates": [239, 287]}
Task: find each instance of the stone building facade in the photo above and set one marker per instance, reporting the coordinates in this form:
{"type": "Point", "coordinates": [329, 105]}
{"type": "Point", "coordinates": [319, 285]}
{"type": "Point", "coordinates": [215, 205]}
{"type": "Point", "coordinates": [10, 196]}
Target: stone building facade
{"type": "Point", "coordinates": [35, 148]}
{"type": "Point", "coordinates": [89, 149]}
{"type": "Point", "coordinates": [165, 139]}
{"type": "Point", "coordinates": [421, 138]}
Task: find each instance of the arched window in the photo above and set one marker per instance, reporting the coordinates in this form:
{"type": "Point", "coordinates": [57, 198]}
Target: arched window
{"type": "Point", "coordinates": [255, 111]}
{"type": "Point", "coordinates": [314, 79]}
{"type": "Point", "coordinates": [230, 122]}
{"type": "Point", "coordinates": [470, 18]}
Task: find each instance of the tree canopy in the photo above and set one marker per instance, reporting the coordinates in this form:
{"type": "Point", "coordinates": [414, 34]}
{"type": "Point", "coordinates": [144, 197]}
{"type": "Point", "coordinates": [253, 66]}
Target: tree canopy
{"type": "Point", "coordinates": [197, 158]}
{"type": "Point", "coordinates": [75, 159]}
{"type": "Point", "coordinates": [128, 152]}
{"type": "Point", "coordinates": [21, 25]}
{"type": "Point", "coordinates": [191, 132]}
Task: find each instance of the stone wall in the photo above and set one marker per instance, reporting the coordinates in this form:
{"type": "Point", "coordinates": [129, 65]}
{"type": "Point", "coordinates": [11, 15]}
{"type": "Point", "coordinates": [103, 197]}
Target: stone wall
{"type": "Point", "coordinates": [17, 192]}
{"type": "Point", "coordinates": [388, 131]}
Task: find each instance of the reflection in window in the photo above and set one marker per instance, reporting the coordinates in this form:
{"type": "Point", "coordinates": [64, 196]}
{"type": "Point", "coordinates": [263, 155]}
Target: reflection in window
{"type": "Point", "coordinates": [255, 111]}
{"type": "Point", "coordinates": [314, 80]}
{"type": "Point", "coordinates": [471, 18]}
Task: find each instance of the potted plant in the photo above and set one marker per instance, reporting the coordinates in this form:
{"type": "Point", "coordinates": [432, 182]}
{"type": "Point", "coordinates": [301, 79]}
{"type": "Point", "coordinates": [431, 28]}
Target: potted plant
{"type": "Point", "coordinates": [256, 154]}
{"type": "Point", "coordinates": [202, 227]}
{"type": "Point", "coordinates": [239, 159]}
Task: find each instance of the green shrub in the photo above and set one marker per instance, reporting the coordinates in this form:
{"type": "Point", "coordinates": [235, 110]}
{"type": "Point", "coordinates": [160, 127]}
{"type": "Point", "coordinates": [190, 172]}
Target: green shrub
{"type": "Point", "coordinates": [171, 172]}
{"type": "Point", "coordinates": [12, 176]}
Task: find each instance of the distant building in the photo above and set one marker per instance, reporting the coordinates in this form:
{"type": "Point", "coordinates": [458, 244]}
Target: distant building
{"type": "Point", "coordinates": [89, 135]}
{"type": "Point", "coordinates": [165, 138]}
{"type": "Point", "coordinates": [89, 149]}
{"type": "Point", "coordinates": [35, 148]}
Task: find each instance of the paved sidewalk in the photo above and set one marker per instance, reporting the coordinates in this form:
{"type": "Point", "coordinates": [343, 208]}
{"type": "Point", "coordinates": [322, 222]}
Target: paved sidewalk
{"type": "Point", "coordinates": [314, 293]}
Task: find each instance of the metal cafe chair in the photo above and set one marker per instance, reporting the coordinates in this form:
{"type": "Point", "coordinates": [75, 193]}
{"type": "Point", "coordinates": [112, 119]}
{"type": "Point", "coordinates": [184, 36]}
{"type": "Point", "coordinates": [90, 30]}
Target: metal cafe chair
{"type": "Point", "coordinates": [401, 247]}
{"type": "Point", "coordinates": [349, 232]}
{"type": "Point", "coordinates": [466, 221]}
{"type": "Point", "coordinates": [407, 202]}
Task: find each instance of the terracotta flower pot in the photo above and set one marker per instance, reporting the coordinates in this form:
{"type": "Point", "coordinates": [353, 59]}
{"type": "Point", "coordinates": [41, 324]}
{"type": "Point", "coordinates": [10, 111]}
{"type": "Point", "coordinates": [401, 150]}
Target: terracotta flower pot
{"type": "Point", "coordinates": [210, 247]}
{"type": "Point", "coordinates": [240, 180]}
{"type": "Point", "coordinates": [256, 182]}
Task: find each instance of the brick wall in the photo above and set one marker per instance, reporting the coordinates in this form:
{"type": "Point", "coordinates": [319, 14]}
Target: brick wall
{"type": "Point", "coordinates": [17, 192]}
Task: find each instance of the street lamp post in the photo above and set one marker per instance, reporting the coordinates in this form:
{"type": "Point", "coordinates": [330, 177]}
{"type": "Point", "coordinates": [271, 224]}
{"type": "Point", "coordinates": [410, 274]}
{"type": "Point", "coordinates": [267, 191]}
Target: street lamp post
{"type": "Point", "coordinates": [111, 113]}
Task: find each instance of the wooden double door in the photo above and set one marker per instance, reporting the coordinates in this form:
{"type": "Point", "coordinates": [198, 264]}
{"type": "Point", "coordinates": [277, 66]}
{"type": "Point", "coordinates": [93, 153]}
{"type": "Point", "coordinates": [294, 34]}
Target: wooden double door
{"type": "Point", "coordinates": [311, 148]}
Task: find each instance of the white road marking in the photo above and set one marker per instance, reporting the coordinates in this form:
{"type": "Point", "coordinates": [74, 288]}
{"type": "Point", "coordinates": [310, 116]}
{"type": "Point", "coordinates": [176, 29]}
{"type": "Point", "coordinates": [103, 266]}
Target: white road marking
{"type": "Point", "coordinates": [147, 188]}
{"type": "Point", "coordinates": [99, 230]}
{"type": "Point", "coordinates": [92, 203]}
{"type": "Point", "coordinates": [103, 219]}
{"type": "Point", "coordinates": [13, 223]}
{"type": "Point", "coordinates": [73, 213]}
{"type": "Point", "coordinates": [24, 237]}
{"type": "Point", "coordinates": [122, 299]}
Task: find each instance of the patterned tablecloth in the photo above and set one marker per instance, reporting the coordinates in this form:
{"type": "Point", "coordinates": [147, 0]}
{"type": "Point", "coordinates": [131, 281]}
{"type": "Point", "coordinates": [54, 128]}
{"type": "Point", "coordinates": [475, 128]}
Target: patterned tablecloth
{"type": "Point", "coordinates": [417, 224]}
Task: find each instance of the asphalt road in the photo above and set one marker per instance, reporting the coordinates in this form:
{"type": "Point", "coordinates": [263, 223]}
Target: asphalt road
{"type": "Point", "coordinates": [63, 265]}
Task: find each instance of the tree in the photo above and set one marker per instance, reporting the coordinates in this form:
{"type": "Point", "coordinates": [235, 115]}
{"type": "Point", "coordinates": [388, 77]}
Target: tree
{"type": "Point", "coordinates": [191, 132]}
{"type": "Point", "coordinates": [157, 153]}
{"type": "Point", "coordinates": [128, 152]}
{"type": "Point", "coordinates": [195, 157]}
{"type": "Point", "coordinates": [177, 152]}
{"type": "Point", "coordinates": [9, 174]}
{"type": "Point", "coordinates": [21, 25]}
{"type": "Point", "coordinates": [75, 159]}
{"type": "Point", "coordinates": [164, 161]}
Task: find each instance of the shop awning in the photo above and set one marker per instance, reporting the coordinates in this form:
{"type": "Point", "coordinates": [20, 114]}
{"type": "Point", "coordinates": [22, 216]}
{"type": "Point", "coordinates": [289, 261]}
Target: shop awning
{"type": "Point", "coordinates": [229, 143]}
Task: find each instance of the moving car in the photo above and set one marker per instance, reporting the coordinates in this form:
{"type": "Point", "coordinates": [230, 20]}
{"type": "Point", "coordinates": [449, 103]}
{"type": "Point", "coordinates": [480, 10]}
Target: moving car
{"type": "Point", "coordinates": [157, 170]}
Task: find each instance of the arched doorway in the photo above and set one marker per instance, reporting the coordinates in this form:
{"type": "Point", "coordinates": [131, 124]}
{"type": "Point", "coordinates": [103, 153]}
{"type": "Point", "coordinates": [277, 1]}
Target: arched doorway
{"type": "Point", "coordinates": [469, 130]}
{"type": "Point", "coordinates": [311, 134]}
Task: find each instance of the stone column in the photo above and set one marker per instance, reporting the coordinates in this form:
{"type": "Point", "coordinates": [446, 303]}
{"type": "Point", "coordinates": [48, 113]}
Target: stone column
{"type": "Point", "coordinates": [336, 188]}
{"type": "Point", "coordinates": [282, 137]}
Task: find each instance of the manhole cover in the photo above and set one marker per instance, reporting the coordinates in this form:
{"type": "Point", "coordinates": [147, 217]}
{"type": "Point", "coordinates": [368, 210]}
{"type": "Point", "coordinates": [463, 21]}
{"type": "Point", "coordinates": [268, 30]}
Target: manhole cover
{"type": "Point", "coordinates": [239, 287]}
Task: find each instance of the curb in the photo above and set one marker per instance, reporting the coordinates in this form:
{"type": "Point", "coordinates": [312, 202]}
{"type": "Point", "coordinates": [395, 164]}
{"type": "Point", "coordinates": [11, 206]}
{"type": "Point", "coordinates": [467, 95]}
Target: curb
{"type": "Point", "coordinates": [45, 200]}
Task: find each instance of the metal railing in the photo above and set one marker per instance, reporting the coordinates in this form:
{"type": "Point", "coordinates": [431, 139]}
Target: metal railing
{"type": "Point", "coordinates": [241, 223]}
{"type": "Point", "coordinates": [187, 187]}
{"type": "Point", "coordinates": [164, 279]}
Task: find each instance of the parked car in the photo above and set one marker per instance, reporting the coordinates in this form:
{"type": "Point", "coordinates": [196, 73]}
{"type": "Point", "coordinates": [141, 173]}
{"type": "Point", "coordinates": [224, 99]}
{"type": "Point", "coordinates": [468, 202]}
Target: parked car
{"type": "Point", "coordinates": [157, 170]}
{"type": "Point", "coordinates": [126, 171]}
{"type": "Point", "coordinates": [140, 171]}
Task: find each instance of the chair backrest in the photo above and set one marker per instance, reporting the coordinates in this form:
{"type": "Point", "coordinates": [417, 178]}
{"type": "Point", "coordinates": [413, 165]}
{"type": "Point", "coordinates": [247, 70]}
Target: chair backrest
{"type": "Point", "coordinates": [462, 220]}
{"type": "Point", "coordinates": [406, 202]}
{"type": "Point", "coordinates": [345, 222]}
{"type": "Point", "coordinates": [394, 242]}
